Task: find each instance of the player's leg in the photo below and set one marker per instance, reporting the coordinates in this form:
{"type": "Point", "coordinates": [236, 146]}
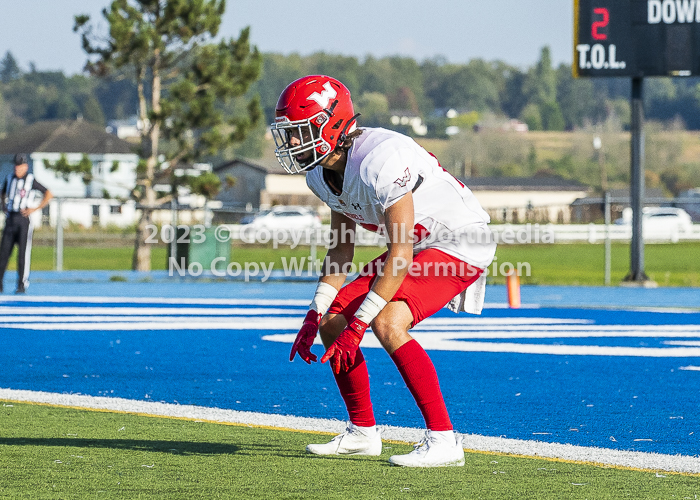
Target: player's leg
{"type": "Point", "coordinates": [424, 291]}
{"type": "Point", "coordinates": [353, 384]}
{"type": "Point", "coordinates": [361, 436]}
{"type": "Point", "coordinates": [391, 329]}
{"type": "Point", "coordinates": [441, 447]}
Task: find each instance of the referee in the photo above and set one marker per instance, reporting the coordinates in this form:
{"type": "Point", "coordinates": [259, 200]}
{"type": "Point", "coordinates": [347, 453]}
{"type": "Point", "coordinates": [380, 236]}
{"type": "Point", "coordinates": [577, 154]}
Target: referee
{"type": "Point", "coordinates": [18, 191]}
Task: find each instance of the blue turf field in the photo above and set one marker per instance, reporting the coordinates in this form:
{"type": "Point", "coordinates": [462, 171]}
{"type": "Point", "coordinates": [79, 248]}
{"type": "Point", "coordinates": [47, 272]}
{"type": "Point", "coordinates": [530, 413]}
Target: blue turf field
{"type": "Point", "coordinates": [614, 378]}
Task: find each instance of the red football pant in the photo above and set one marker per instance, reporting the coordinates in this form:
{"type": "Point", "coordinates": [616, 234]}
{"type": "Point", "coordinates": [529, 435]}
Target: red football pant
{"type": "Point", "coordinates": [421, 378]}
{"type": "Point", "coordinates": [354, 388]}
{"type": "Point", "coordinates": [424, 293]}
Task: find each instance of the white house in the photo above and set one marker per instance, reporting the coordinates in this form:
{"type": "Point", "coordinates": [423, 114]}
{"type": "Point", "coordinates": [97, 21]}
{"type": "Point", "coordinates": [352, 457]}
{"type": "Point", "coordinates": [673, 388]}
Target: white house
{"type": "Point", "coordinates": [113, 160]}
{"type": "Point", "coordinates": [113, 169]}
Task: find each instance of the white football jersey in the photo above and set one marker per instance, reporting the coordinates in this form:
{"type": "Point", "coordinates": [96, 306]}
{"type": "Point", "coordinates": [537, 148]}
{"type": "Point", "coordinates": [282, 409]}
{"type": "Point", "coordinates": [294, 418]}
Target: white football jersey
{"type": "Point", "coordinates": [382, 167]}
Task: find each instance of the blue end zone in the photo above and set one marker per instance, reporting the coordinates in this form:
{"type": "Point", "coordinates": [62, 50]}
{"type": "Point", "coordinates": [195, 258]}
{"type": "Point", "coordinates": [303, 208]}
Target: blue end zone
{"type": "Point", "coordinates": [637, 391]}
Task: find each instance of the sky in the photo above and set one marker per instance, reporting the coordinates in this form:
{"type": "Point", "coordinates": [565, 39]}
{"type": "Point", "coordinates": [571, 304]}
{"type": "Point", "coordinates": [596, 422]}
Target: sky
{"type": "Point", "coordinates": [513, 31]}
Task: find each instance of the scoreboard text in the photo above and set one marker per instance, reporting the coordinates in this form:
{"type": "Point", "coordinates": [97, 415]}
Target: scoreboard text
{"type": "Point", "coordinates": [636, 38]}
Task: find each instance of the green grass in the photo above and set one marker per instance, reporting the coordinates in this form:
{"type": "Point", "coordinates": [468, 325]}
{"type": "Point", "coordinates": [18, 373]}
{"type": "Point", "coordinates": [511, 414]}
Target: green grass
{"type": "Point", "coordinates": [556, 264]}
{"type": "Point", "coordinates": [584, 264]}
{"type": "Point", "coordinates": [82, 258]}
{"type": "Point", "coordinates": [62, 453]}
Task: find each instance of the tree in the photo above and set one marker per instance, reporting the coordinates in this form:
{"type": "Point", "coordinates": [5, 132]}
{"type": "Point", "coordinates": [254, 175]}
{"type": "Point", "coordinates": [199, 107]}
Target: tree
{"type": "Point", "coordinates": [183, 81]}
{"type": "Point", "coordinates": [9, 69]}
{"type": "Point", "coordinates": [552, 117]}
{"type": "Point", "coordinates": [532, 117]}
{"type": "Point", "coordinates": [374, 108]}
{"type": "Point", "coordinates": [471, 87]}
{"type": "Point", "coordinates": [578, 100]}
{"type": "Point", "coordinates": [3, 116]}
{"type": "Point", "coordinates": [540, 87]}
{"type": "Point", "coordinates": [65, 169]}
{"type": "Point", "coordinates": [404, 99]}
{"type": "Point", "coordinates": [92, 111]}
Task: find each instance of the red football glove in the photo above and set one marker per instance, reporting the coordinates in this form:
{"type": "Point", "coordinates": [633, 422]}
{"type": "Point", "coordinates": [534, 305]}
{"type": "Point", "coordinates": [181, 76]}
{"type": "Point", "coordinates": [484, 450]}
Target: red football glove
{"type": "Point", "coordinates": [342, 352]}
{"type": "Point", "coordinates": [305, 337]}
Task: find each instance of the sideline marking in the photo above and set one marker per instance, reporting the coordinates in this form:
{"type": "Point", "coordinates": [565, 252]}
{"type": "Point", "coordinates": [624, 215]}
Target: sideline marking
{"type": "Point", "coordinates": [154, 300]}
{"type": "Point", "coordinates": [36, 313]}
{"type": "Point", "coordinates": [302, 303]}
{"type": "Point", "coordinates": [441, 341]}
{"type": "Point", "coordinates": [179, 300]}
{"type": "Point", "coordinates": [629, 460]}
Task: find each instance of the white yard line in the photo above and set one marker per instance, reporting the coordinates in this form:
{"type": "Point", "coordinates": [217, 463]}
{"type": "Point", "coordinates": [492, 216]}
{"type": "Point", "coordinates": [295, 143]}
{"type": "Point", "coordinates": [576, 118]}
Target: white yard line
{"type": "Point", "coordinates": [87, 311]}
{"type": "Point", "coordinates": [536, 449]}
{"type": "Point", "coordinates": [188, 301]}
{"type": "Point", "coordinates": [153, 300]}
{"type": "Point", "coordinates": [441, 341]}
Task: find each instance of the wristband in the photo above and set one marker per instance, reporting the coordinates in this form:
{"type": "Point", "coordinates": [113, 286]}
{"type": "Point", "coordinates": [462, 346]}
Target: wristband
{"type": "Point", "coordinates": [370, 307]}
{"type": "Point", "coordinates": [324, 297]}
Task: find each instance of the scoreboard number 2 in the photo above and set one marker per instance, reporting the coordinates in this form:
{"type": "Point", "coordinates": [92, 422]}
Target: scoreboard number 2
{"type": "Point", "coordinates": [596, 26]}
{"type": "Point", "coordinates": [599, 56]}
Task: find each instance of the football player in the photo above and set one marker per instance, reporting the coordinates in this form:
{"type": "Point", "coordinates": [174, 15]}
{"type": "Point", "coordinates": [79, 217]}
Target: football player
{"type": "Point", "coordinates": [438, 245]}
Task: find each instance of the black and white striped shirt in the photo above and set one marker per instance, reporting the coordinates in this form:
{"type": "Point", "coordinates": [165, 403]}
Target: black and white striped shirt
{"type": "Point", "coordinates": [18, 193]}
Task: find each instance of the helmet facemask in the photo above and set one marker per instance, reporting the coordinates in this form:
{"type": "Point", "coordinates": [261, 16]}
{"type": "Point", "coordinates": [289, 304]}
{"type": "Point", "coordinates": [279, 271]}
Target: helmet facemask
{"type": "Point", "coordinates": [309, 148]}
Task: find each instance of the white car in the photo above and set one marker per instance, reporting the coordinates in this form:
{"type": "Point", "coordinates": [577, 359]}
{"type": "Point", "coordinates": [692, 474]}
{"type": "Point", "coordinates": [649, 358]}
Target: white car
{"type": "Point", "coordinates": [660, 222]}
{"type": "Point", "coordinates": [287, 218]}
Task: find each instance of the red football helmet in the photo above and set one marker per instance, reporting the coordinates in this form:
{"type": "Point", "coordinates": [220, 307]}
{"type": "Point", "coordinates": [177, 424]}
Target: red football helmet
{"type": "Point", "coordinates": [313, 115]}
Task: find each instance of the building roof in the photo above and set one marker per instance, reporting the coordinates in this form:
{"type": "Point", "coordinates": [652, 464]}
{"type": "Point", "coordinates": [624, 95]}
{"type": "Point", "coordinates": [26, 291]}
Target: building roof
{"type": "Point", "coordinates": [648, 193]}
{"type": "Point", "coordinates": [651, 195]}
{"type": "Point", "coordinates": [549, 183]}
{"type": "Point", "coordinates": [270, 166]}
{"type": "Point", "coordinates": [64, 136]}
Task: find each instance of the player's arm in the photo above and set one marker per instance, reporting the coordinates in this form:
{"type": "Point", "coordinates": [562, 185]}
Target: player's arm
{"type": "Point", "coordinates": [399, 226]}
{"type": "Point", "coordinates": [399, 230]}
{"type": "Point", "coordinates": [333, 276]}
{"type": "Point", "coordinates": [341, 251]}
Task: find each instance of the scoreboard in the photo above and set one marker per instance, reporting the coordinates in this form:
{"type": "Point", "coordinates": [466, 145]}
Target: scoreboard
{"type": "Point", "coordinates": [636, 38]}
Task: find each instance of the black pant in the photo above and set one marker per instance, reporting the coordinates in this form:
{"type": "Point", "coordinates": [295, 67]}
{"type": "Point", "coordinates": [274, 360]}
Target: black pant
{"type": "Point", "coordinates": [18, 230]}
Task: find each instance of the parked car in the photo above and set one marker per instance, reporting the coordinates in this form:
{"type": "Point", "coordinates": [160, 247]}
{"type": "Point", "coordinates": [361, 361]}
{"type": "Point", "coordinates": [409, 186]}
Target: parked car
{"type": "Point", "coordinates": [286, 217]}
{"type": "Point", "coordinates": [660, 222]}
{"type": "Point", "coordinates": [248, 218]}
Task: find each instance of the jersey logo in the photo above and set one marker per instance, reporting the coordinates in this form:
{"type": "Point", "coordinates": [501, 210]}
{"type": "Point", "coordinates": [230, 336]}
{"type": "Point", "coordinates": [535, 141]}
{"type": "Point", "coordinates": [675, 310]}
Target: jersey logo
{"type": "Point", "coordinates": [354, 216]}
{"type": "Point", "coordinates": [324, 97]}
{"type": "Point", "coordinates": [356, 206]}
{"type": "Point", "coordinates": [342, 203]}
{"type": "Point", "coordinates": [402, 181]}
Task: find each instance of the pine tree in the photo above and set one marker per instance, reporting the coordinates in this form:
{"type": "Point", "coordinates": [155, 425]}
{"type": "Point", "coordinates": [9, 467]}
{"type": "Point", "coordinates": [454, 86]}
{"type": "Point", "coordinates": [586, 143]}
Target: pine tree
{"type": "Point", "coordinates": [92, 111]}
{"type": "Point", "coordinates": [183, 82]}
{"type": "Point", "coordinates": [9, 69]}
{"type": "Point", "coordinates": [540, 87]}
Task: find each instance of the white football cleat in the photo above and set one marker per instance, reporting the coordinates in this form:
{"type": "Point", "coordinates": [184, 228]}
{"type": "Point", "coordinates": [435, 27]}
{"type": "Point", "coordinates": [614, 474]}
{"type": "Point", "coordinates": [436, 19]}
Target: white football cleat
{"type": "Point", "coordinates": [354, 441]}
{"type": "Point", "coordinates": [437, 449]}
